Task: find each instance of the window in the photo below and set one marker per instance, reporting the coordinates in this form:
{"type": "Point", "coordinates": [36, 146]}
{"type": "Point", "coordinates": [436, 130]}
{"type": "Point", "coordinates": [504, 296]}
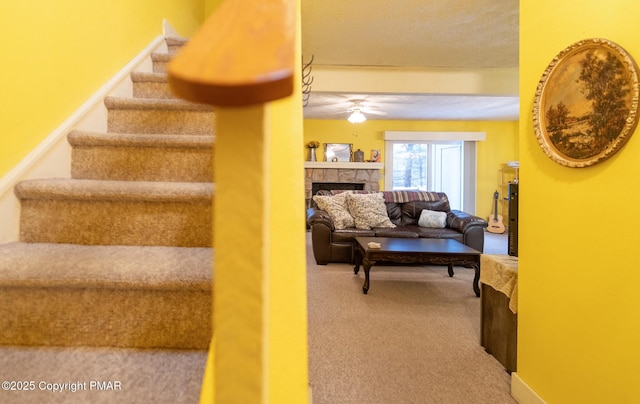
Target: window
{"type": "Point", "coordinates": [434, 161]}
{"type": "Point", "coordinates": [427, 166]}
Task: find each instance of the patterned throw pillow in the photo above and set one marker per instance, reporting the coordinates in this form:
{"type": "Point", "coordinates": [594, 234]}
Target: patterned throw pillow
{"type": "Point", "coordinates": [336, 207]}
{"type": "Point", "coordinates": [368, 211]}
{"type": "Point", "coordinates": [433, 219]}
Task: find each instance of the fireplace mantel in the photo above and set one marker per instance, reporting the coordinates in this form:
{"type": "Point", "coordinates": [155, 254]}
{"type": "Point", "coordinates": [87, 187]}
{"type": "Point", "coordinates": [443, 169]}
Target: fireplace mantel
{"type": "Point", "coordinates": [355, 166]}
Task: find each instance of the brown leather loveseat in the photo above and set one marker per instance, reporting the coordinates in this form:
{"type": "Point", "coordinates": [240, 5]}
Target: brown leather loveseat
{"type": "Point", "coordinates": [404, 209]}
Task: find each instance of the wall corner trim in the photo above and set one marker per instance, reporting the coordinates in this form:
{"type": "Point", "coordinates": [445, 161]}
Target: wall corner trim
{"type": "Point", "coordinates": [522, 392]}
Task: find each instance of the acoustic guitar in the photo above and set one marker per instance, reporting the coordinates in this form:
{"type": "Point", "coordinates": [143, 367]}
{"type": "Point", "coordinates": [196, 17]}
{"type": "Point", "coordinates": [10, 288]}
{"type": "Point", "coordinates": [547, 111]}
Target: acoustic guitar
{"type": "Point", "coordinates": [495, 221]}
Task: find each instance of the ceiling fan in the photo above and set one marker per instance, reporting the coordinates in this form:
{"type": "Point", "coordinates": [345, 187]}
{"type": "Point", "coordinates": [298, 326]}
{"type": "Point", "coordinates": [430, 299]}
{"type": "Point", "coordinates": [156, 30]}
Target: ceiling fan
{"type": "Point", "coordinates": [360, 107]}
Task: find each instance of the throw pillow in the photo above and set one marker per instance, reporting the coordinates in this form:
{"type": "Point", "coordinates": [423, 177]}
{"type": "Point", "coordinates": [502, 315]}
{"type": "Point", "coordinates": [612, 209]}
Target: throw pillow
{"type": "Point", "coordinates": [336, 207]}
{"type": "Point", "coordinates": [432, 218]}
{"type": "Point", "coordinates": [368, 211]}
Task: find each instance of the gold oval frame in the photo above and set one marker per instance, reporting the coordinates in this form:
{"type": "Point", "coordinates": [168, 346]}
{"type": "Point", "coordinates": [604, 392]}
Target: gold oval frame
{"type": "Point", "coordinates": [573, 130]}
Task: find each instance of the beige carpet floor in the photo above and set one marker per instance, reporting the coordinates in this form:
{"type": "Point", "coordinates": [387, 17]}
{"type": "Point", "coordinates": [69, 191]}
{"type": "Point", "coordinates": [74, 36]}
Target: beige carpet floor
{"type": "Point", "coordinates": [415, 338]}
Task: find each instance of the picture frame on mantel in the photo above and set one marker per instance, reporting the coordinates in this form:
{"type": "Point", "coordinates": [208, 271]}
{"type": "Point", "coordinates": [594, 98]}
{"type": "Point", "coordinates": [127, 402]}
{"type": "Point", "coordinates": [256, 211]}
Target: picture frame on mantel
{"type": "Point", "coordinates": [586, 103]}
{"type": "Point", "coordinates": [375, 155]}
{"type": "Point", "coordinates": [338, 152]}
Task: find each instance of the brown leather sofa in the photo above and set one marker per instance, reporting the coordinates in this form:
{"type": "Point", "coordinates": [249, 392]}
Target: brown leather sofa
{"type": "Point", "coordinates": [404, 209]}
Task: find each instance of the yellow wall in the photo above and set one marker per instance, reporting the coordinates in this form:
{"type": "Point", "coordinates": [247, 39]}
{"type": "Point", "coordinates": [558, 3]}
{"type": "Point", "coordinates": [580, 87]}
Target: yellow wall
{"type": "Point", "coordinates": [56, 54]}
{"type": "Point", "coordinates": [501, 145]}
{"type": "Point", "coordinates": [578, 277]}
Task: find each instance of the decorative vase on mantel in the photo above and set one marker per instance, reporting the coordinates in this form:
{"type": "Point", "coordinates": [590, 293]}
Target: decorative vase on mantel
{"type": "Point", "coordinates": [312, 154]}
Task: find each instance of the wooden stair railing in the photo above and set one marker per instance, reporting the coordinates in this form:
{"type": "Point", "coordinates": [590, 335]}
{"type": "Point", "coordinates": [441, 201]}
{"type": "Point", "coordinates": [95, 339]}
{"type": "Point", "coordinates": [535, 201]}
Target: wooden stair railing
{"type": "Point", "coordinates": [242, 55]}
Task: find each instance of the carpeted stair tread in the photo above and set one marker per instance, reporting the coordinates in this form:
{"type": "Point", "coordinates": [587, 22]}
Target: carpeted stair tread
{"type": "Point", "coordinates": [117, 296]}
{"type": "Point", "coordinates": [151, 85]}
{"type": "Point", "coordinates": [176, 41]}
{"type": "Point", "coordinates": [107, 212]}
{"type": "Point", "coordinates": [115, 103]}
{"type": "Point", "coordinates": [149, 191]}
{"type": "Point", "coordinates": [97, 139]}
{"type": "Point", "coordinates": [141, 157]}
{"type": "Point", "coordinates": [161, 61]}
{"type": "Point", "coordinates": [51, 265]}
{"type": "Point", "coordinates": [161, 57]}
{"type": "Point", "coordinates": [153, 77]}
{"type": "Point", "coordinates": [159, 115]}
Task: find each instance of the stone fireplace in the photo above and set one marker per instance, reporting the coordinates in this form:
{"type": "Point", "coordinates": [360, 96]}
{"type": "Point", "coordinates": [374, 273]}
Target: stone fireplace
{"type": "Point", "coordinates": [364, 176]}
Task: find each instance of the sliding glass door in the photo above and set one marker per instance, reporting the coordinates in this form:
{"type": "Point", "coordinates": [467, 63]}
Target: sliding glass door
{"type": "Point", "coordinates": [426, 166]}
{"type": "Point", "coordinates": [448, 172]}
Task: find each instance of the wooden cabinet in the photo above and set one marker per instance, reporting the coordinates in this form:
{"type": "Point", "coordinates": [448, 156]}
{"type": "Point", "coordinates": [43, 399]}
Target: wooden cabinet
{"type": "Point", "coordinates": [499, 327]}
{"type": "Point", "coordinates": [499, 307]}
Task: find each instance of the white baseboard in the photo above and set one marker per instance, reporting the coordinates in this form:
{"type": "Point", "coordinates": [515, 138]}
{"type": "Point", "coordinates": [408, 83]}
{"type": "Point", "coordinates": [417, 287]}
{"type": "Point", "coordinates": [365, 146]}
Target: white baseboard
{"type": "Point", "coordinates": [522, 392]}
{"type": "Point", "coordinates": [52, 157]}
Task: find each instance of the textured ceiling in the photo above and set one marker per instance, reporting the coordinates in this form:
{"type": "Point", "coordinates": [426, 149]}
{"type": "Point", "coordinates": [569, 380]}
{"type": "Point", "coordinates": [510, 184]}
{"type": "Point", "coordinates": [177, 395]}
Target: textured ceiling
{"type": "Point", "coordinates": [427, 35]}
{"type": "Point", "coordinates": [432, 107]}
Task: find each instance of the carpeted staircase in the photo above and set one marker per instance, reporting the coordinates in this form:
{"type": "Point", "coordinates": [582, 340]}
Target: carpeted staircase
{"type": "Point", "coordinates": [120, 254]}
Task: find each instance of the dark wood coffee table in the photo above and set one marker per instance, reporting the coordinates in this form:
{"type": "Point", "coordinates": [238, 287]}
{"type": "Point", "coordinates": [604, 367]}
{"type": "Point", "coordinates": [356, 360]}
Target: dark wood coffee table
{"type": "Point", "coordinates": [416, 250]}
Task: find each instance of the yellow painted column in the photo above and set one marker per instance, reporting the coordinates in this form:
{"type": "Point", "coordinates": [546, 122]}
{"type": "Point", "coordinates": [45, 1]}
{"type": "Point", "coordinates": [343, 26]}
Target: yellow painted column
{"type": "Point", "coordinates": [259, 348]}
{"type": "Point", "coordinates": [241, 255]}
{"type": "Point", "coordinates": [259, 353]}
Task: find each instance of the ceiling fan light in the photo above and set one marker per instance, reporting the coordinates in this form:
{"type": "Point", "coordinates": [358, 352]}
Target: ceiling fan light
{"type": "Point", "coordinates": [356, 117]}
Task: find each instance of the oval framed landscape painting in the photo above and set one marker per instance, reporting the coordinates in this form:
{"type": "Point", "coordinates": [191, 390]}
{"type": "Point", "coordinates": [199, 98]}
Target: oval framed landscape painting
{"type": "Point", "coordinates": [586, 103]}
